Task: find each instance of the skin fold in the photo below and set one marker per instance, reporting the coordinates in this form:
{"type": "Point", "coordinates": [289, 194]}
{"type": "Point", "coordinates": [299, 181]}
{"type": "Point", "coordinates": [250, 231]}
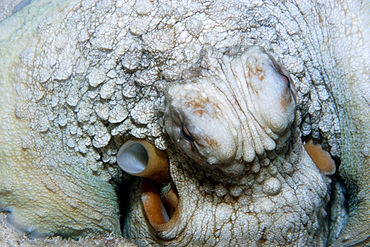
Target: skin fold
{"type": "Point", "coordinates": [239, 200]}
{"type": "Point", "coordinates": [80, 78]}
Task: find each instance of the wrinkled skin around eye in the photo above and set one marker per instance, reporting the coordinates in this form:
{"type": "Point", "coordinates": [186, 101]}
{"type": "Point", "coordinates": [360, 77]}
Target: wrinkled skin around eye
{"type": "Point", "coordinates": [207, 127]}
{"type": "Point", "coordinates": [273, 94]}
{"type": "Point", "coordinates": [237, 108]}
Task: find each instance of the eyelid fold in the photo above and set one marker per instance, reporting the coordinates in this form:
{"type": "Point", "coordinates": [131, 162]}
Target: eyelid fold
{"type": "Point", "coordinates": [287, 80]}
{"type": "Point", "coordinates": [185, 132]}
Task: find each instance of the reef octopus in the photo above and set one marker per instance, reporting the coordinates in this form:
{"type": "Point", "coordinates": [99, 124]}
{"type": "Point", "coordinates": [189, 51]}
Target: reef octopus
{"type": "Point", "coordinates": [245, 121]}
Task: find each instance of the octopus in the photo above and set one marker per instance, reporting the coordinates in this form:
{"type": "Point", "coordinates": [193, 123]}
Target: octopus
{"type": "Point", "coordinates": [226, 123]}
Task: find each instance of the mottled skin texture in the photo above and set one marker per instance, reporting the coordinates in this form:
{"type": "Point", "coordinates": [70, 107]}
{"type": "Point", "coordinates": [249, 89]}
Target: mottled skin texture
{"type": "Point", "coordinates": [68, 103]}
{"type": "Point", "coordinates": [246, 212]}
{"type": "Point", "coordinates": [218, 125]}
{"type": "Point", "coordinates": [246, 188]}
{"type": "Point", "coordinates": [9, 237]}
{"type": "Point", "coordinates": [242, 142]}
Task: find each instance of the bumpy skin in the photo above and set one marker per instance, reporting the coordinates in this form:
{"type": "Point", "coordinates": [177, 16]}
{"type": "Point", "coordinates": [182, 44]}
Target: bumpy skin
{"type": "Point", "coordinates": [219, 125]}
{"type": "Point", "coordinates": [80, 78]}
{"type": "Point", "coordinates": [9, 237]}
{"type": "Point", "coordinates": [249, 181]}
{"type": "Point", "coordinates": [42, 182]}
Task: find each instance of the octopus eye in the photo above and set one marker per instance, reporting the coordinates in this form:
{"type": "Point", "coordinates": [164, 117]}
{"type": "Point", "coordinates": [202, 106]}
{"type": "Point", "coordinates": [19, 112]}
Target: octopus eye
{"type": "Point", "coordinates": [185, 132]}
{"type": "Point", "coordinates": [286, 79]}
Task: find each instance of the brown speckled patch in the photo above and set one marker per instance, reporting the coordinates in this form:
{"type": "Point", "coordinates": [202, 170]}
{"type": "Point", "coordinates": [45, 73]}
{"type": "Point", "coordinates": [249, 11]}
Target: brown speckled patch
{"type": "Point", "coordinates": [287, 100]}
{"type": "Point", "coordinates": [199, 104]}
{"type": "Point", "coordinates": [211, 142]}
{"type": "Point", "coordinates": [258, 71]}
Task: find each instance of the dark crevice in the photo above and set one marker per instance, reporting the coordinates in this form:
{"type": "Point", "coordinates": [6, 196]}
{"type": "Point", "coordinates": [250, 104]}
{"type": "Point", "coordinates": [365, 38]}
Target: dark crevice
{"type": "Point", "coordinates": [123, 194]}
{"type": "Point", "coordinates": [338, 205]}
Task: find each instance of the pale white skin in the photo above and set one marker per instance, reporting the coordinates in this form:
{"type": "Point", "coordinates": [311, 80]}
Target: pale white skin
{"type": "Point", "coordinates": [138, 48]}
{"type": "Point", "coordinates": [233, 111]}
{"type": "Point", "coordinates": [235, 116]}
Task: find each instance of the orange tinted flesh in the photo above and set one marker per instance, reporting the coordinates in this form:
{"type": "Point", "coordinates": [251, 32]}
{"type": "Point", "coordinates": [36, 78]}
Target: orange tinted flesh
{"type": "Point", "coordinates": [154, 208]}
{"type": "Point", "coordinates": [152, 203]}
{"type": "Point", "coordinates": [321, 157]}
{"type": "Point", "coordinates": [171, 199]}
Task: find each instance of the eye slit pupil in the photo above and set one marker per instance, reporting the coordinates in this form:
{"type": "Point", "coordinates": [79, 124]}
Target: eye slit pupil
{"type": "Point", "coordinates": [286, 80]}
{"type": "Point", "coordinates": [185, 132]}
